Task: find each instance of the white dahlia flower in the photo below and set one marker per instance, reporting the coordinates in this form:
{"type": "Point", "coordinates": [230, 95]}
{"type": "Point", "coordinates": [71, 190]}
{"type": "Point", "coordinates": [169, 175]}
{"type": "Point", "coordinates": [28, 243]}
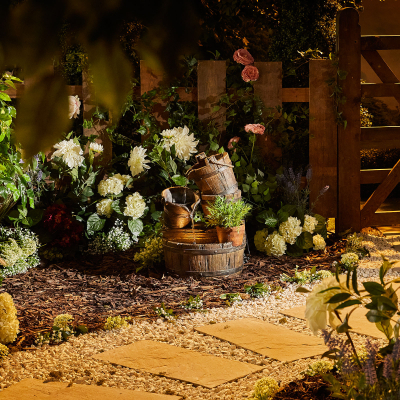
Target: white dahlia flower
{"type": "Point", "coordinates": [96, 147]}
{"type": "Point", "coordinates": [290, 229]}
{"type": "Point", "coordinates": [310, 224]}
{"type": "Point", "coordinates": [111, 185]}
{"type": "Point", "coordinates": [137, 161]}
{"type": "Point", "coordinates": [319, 242]}
{"type": "Point", "coordinates": [74, 105]}
{"type": "Point", "coordinates": [275, 245]}
{"type": "Point", "coordinates": [316, 306]}
{"type": "Point", "coordinates": [135, 206]}
{"type": "Point", "coordinates": [70, 152]}
{"type": "Point", "coordinates": [185, 144]}
{"type": "Point", "coordinates": [103, 207]}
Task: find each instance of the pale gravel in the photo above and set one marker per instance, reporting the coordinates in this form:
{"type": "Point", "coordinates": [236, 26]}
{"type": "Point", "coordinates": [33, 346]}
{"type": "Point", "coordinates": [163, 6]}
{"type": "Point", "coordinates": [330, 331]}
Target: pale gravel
{"type": "Point", "coordinates": [74, 358]}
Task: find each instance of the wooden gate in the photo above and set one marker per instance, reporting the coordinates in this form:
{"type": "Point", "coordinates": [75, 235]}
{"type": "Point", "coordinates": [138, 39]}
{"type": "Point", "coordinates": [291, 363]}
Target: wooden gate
{"type": "Point", "coordinates": [353, 138]}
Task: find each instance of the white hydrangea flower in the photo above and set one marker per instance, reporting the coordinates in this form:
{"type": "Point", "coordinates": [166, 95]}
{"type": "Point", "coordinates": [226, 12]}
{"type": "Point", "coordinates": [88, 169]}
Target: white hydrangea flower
{"type": "Point", "coordinates": [349, 259]}
{"type": "Point", "coordinates": [74, 105]}
{"type": "Point", "coordinates": [319, 242]}
{"type": "Point", "coordinates": [103, 207]}
{"type": "Point", "coordinates": [260, 240]}
{"type": "Point", "coordinates": [290, 229]}
{"type": "Point", "coordinates": [111, 185]}
{"type": "Point", "coordinates": [70, 152]}
{"type": "Point", "coordinates": [123, 178]}
{"type": "Point", "coordinates": [135, 206]}
{"type": "Point", "coordinates": [137, 161]}
{"type": "Point", "coordinates": [275, 245]}
{"type": "Point", "coordinates": [185, 144]}
{"type": "Point", "coordinates": [96, 147]}
{"type": "Point", "coordinates": [310, 223]}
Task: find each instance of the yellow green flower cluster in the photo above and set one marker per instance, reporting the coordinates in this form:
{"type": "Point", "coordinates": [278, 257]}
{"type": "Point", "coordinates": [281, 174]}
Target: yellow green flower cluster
{"type": "Point", "coordinates": [3, 351]}
{"type": "Point", "coordinates": [319, 367]}
{"type": "Point", "coordinates": [63, 322]}
{"type": "Point", "coordinates": [275, 245]}
{"type": "Point", "coordinates": [152, 253]}
{"type": "Point", "coordinates": [265, 389]}
{"type": "Point", "coordinates": [116, 322]}
{"type": "Point", "coordinates": [9, 324]}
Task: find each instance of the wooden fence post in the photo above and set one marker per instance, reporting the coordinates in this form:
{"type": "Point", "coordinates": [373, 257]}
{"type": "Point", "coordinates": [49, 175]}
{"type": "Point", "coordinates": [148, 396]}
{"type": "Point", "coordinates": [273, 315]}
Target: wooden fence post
{"type": "Point", "coordinates": [269, 88]}
{"type": "Point", "coordinates": [99, 129]}
{"type": "Point", "coordinates": [349, 164]}
{"type": "Point", "coordinates": [323, 138]}
{"type": "Point", "coordinates": [211, 86]}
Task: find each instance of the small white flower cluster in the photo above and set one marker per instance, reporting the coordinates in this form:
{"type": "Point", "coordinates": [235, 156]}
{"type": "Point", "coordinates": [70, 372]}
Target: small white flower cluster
{"type": "Point", "coordinates": [137, 161]}
{"type": "Point", "coordinates": [185, 144]}
{"type": "Point", "coordinates": [194, 303]}
{"type": "Point", "coordinates": [310, 223]}
{"type": "Point", "coordinates": [103, 207]}
{"type": "Point", "coordinates": [319, 242]}
{"type": "Point", "coordinates": [349, 260]}
{"type": "Point", "coordinates": [319, 367]}
{"type": "Point", "coordinates": [63, 322]}
{"type": "Point", "coordinates": [117, 239]}
{"type": "Point", "coordinates": [135, 206]}
{"type": "Point", "coordinates": [96, 147]}
{"type": "Point", "coordinates": [275, 245]}
{"type": "Point", "coordinates": [290, 230]}
{"type": "Point", "coordinates": [265, 389]}
{"type": "Point", "coordinates": [70, 153]}
{"type": "Point", "coordinates": [112, 186]}
{"type": "Point", "coordinates": [164, 313]}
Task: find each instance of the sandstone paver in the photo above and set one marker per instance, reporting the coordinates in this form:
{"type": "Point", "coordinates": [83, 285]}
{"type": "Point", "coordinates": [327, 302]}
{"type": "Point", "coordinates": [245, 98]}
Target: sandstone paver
{"type": "Point", "coordinates": [267, 339]}
{"type": "Point", "coordinates": [178, 363]}
{"type": "Point", "coordinates": [34, 389]}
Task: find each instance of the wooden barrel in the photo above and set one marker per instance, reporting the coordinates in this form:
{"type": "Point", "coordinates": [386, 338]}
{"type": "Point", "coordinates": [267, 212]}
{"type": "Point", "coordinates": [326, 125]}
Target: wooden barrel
{"type": "Point", "coordinates": [200, 235]}
{"type": "Point", "coordinates": [207, 199]}
{"type": "Point", "coordinates": [203, 260]}
{"type": "Point", "coordinates": [214, 174]}
{"type": "Point", "coordinates": [179, 206]}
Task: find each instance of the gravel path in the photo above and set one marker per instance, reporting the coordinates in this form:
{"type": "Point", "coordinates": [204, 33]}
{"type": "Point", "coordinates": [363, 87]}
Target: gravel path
{"type": "Point", "coordinates": [72, 362]}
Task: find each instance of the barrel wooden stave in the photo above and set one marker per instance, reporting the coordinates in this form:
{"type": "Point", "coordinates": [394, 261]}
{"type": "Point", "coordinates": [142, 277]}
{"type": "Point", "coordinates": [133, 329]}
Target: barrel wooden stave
{"type": "Point", "coordinates": [203, 260]}
{"type": "Point", "coordinates": [200, 235]}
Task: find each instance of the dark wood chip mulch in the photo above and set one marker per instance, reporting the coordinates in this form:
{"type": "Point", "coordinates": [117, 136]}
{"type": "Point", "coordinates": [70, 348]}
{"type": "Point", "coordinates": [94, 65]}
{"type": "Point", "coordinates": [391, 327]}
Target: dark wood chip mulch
{"type": "Point", "coordinates": [93, 288]}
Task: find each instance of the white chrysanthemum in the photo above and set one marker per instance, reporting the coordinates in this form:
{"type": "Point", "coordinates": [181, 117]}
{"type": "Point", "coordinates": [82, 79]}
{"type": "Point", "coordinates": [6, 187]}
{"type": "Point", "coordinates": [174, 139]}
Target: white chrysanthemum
{"type": "Point", "coordinates": [137, 161]}
{"type": "Point", "coordinates": [349, 259]}
{"type": "Point", "coordinates": [123, 178]}
{"type": "Point", "coordinates": [316, 306]}
{"type": "Point", "coordinates": [275, 245]}
{"type": "Point", "coordinates": [103, 207]}
{"type": "Point", "coordinates": [9, 324]}
{"type": "Point", "coordinates": [310, 224]}
{"type": "Point", "coordinates": [185, 144]}
{"type": "Point", "coordinates": [260, 240]}
{"type": "Point", "coordinates": [70, 152]}
{"type": "Point", "coordinates": [290, 229]}
{"type": "Point", "coordinates": [111, 185]}
{"type": "Point", "coordinates": [74, 105]}
{"type": "Point", "coordinates": [96, 147]}
{"type": "Point", "coordinates": [318, 242]}
{"type": "Point", "coordinates": [135, 206]}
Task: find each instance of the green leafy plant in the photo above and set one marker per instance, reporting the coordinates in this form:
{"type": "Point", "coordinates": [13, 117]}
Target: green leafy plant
{"type": "Point", "coordinates": [227, 214]}
{"type": "Point", "coordinates": [258, 290]}
{"type": "Point", "coordinates": [306, 276]}
{"type": "Point", "coordinates": [193, 303]}
{"type": "Point", "coordinates": [231, 298]}
{"type": "Point", "coordinates": [165, 313]}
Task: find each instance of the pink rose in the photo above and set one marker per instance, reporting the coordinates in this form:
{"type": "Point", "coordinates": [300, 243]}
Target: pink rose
{"type": "Point", "coordinates": [242, 56]}
{"type": "Point", "coordinates": [250, 73]}
{"type": "Point", "coordinates": [233, 140]}
{"type": "Point", "coordinates": [74, 106]}
{"type": "Point", "coordinates": [255, 128]}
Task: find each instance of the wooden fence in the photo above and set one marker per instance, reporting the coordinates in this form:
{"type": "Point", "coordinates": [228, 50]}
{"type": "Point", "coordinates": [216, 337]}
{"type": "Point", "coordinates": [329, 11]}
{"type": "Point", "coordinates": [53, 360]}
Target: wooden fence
{"type": "Point", "coordinates": [212, 85]}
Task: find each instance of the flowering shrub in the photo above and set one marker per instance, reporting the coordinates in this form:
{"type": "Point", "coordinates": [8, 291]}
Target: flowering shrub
{"type": "Point", "coordinates": [9, 324]}
{"type": "Point", "coordinates": [265, 389]}
{"type": "Point", "coordinates": [18, 250]}
{"type": "Point", "coordinates": [152, 253]}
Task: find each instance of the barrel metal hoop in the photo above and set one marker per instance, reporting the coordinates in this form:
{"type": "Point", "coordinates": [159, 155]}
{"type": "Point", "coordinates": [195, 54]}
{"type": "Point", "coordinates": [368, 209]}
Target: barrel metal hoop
{"type": "Point", "coordinates": [211, 273]}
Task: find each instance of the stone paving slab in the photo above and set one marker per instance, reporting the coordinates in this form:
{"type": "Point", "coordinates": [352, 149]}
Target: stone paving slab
{"type": "Point", "coordinates": [267, 339]}
{"type": "Point", "coordinates": [358, 321]}
{"type": "Point", "coordinates": [178, 363]}
{"type": "Point", "coordinates": [33, 389]}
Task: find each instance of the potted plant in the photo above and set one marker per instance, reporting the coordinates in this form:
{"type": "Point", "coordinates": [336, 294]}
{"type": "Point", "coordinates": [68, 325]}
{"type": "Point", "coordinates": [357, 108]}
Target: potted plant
{"type": "Point", "coordinates": [228, 218]}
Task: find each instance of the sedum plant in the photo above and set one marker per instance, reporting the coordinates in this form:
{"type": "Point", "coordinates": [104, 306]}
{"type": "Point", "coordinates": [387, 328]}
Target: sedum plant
{"type": "Point", "coordinates": [116, 322]}
{"type": "Point", "coordinates": [227, 214]}
{"type": "Point", "coordinates": [9, 324]}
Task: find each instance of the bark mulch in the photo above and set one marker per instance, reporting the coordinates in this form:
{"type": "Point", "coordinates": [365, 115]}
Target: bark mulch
{"type": "Point", "coordinates": [93, 288]}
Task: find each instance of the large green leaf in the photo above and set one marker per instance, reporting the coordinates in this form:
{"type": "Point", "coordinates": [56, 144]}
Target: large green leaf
{"type": "Point", "coordinates": [135, 226]}
{"type": "Point", "coordinates": [305, 240]}
{"type": "Point", "coordinates": [95, 223]}
{"type": "Point", "coordinates": [374, 288]}
{"type": "Point", "coordinates": [42, 115]}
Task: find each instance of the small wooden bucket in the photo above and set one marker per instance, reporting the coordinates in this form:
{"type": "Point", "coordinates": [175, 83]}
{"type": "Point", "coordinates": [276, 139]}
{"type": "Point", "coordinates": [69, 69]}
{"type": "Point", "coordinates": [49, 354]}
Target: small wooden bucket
{"type": "Point", "coordinates": [179, 206]}
{"type": "Point", "coordinates": [207, 199]}
{"type": "Point", "coordinates": [214, 174]}
{"type": "Point", "coordinates": [203, 260]}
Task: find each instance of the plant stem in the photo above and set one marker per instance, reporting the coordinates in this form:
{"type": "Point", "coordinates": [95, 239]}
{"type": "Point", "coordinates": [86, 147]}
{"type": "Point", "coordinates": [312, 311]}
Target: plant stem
{"type": "Point", "coordinates": [252, 147]}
